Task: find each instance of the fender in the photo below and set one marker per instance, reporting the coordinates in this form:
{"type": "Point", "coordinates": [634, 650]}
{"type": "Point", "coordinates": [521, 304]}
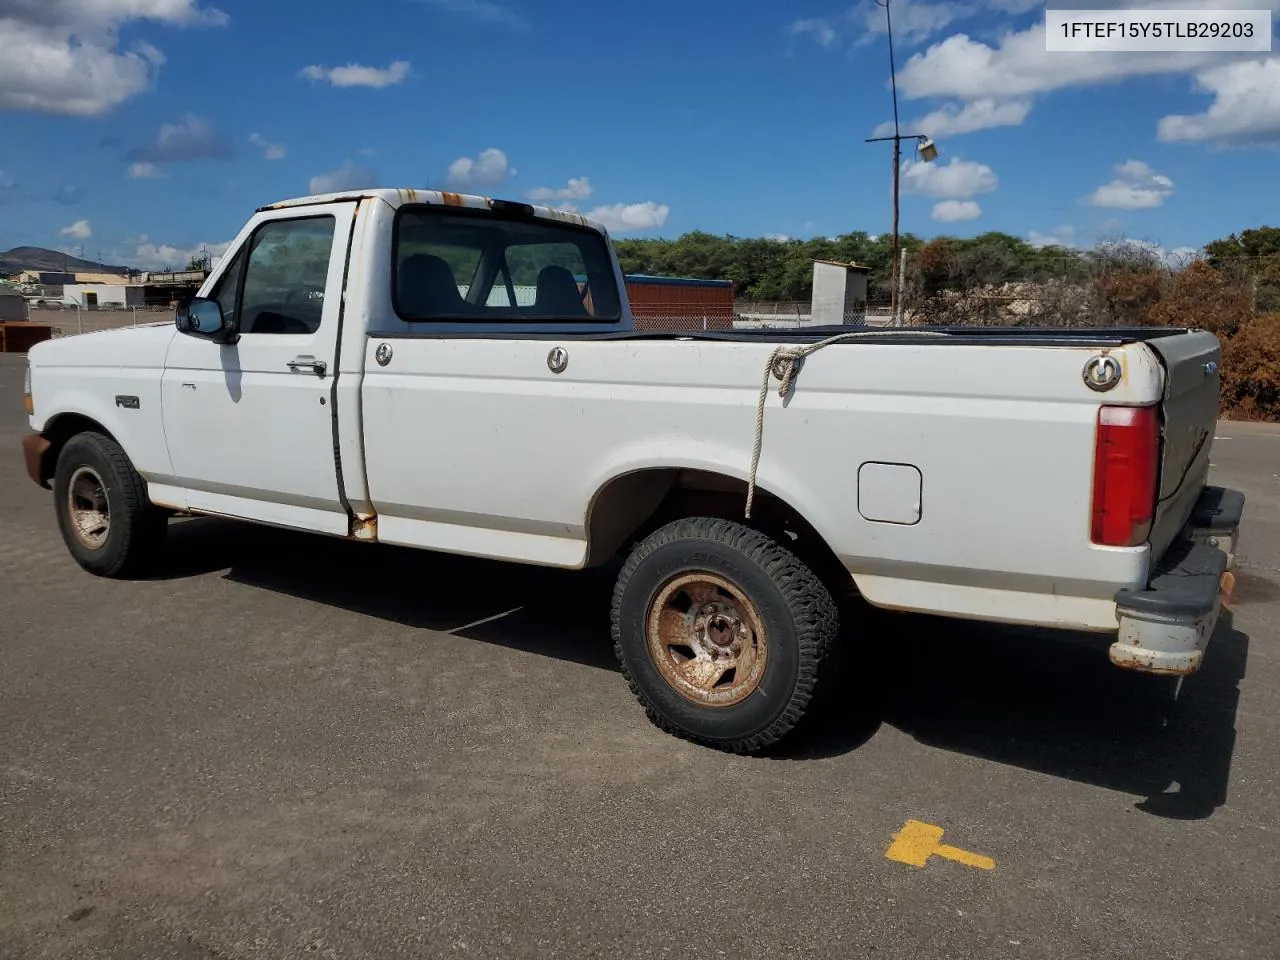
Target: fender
{"type": "Point", "coordinates": [142, 439]}
{"type": "Point", "coordinates": [772, 477]}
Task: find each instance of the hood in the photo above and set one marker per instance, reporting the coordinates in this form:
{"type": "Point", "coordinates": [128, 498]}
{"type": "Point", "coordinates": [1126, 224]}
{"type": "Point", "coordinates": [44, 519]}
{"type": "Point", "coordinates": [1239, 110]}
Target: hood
{"type": "Point", "coordinates": [142, 346]}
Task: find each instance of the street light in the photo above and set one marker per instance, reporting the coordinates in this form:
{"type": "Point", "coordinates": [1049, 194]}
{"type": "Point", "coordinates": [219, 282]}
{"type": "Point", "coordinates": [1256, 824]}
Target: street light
{"type": "Point", "coordinates": [926, 148]}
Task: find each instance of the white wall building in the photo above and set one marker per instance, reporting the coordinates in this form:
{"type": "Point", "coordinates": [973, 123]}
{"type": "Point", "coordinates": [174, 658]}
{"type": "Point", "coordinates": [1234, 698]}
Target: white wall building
{"type": "Point", "coordinates": [90, 295]}
{"type": "Point", "coordinates": [839, 292]}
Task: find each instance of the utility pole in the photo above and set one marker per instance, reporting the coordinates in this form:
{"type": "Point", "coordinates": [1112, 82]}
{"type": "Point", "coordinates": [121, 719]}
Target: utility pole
{"type": "Point", "coordinates": [926, 148]}
{"type": "Point", "coordinates": [902, 279]}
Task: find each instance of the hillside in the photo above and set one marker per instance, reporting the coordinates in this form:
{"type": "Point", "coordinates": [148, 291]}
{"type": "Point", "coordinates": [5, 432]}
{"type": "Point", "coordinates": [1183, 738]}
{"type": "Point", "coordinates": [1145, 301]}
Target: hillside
{"type": "Point", "coordinates": [39, 258]}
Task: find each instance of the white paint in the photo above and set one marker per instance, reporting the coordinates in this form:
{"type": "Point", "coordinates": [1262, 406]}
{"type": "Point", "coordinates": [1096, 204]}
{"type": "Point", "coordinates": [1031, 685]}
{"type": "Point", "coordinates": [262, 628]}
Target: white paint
{"type": "Point", "coordinates": [249, 436]}
{"type": "Point", "coordinates": [839, 293]}
{"type": "Point", "coordinates": [1161, 645]}
{"type": "Point", "coordinates": [474, 446]}
{"type": "Point", "coordinates": [889, 492]}
{"type": "Point", "coordinates": [104, 294]}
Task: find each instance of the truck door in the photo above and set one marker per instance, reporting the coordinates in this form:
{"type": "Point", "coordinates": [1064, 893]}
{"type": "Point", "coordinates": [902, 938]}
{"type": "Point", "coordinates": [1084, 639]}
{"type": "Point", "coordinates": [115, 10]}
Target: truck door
{"type": "Point", "coordinates": [250, 426]}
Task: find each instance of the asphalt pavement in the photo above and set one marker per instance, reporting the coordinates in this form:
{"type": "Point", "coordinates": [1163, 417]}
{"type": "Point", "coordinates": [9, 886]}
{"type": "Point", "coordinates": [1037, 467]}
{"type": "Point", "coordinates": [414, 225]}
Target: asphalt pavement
{"type": "Point", "coordinates": [290, 746]}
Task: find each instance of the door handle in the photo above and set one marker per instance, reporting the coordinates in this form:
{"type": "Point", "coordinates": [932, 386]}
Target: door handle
{"type": "Point", "coordinates": [299, 364]}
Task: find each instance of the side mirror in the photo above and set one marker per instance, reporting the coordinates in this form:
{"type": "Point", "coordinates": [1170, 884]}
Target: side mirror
{"type": "Point", "coordinates": [203, 318]}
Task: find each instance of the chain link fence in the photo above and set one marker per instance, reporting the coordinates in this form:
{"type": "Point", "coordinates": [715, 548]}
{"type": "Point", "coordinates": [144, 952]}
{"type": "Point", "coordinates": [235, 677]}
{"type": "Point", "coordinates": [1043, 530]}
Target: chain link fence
{"type": "Point", "coordinates": [67, 321]}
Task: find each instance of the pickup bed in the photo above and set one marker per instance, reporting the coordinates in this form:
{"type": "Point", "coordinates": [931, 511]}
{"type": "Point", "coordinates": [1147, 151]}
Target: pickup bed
{"type": "Point", "coordinates": [462, 374]}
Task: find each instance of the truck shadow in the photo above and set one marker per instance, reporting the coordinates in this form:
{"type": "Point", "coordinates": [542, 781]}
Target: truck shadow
{"type": "Point", "coordinates": [1048, 702]}
{"type": "Point", "coordinates": [549, 612]}
{"type": "Point", "coordinates": [1038, 700]}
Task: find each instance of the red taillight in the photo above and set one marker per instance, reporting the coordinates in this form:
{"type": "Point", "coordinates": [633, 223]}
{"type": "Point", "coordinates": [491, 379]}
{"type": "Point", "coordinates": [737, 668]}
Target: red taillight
{"type": "Point", "coordinates": [1125, 467]}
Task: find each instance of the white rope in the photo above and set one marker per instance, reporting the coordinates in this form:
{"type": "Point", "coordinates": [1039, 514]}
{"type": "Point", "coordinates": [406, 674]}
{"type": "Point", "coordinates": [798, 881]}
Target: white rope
{"type": "Point", "coordinates": [784, 363]}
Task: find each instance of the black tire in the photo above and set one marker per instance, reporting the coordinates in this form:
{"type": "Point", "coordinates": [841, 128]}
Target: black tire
{"type": "Point", "coordinates": [791, 605]}
{"type": "Point", "coordinates": [134, 529]}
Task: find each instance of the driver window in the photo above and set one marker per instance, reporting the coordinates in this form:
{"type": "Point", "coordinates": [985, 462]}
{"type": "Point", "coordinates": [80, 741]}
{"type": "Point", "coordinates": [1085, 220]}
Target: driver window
{"type": "Point", "coordinates": [228, 290]}
{"type": "Point", "coordinates": [284, 284]}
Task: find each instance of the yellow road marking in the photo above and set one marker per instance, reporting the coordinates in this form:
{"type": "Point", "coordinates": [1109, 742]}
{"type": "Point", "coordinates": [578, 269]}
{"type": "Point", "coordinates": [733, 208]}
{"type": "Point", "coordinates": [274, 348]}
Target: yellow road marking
{"type": "Point", "coordinates": [916, 842]}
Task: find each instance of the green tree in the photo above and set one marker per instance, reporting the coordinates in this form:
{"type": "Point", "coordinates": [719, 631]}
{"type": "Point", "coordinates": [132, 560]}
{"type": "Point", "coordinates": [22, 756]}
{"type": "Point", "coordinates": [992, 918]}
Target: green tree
{"type": "Point", "coordinates": [1252, 256]}
{"type": "Point", "coordinates": [1254, 244]}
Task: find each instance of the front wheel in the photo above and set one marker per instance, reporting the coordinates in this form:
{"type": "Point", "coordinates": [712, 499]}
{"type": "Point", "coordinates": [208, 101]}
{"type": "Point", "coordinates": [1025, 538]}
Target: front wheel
{"type": "Point", "coordinates": [106, 520]}
{"type": "Point", "coordinates": [723, 634]}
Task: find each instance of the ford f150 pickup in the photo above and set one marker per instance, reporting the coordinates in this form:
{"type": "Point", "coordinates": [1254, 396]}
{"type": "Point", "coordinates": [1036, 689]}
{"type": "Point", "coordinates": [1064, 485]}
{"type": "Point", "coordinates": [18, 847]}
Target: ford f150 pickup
{"type": "Point", "coordinates": [462, 374]}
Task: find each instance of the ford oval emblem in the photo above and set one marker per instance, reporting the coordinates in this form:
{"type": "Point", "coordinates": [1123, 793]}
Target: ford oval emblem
{"type": "Point", "coordinates": [558, 360]}
{"type": "Point", "coordinates": [1102, 372]}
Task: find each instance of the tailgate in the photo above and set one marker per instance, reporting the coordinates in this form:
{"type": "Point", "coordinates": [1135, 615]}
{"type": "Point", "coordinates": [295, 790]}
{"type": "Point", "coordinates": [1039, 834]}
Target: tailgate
{"type": "Point", "coordinates": [1190, 405]}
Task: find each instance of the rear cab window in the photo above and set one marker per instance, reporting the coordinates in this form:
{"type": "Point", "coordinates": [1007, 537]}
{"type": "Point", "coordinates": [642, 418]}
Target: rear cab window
{"type": "Point", "coordinates": [482, 266]}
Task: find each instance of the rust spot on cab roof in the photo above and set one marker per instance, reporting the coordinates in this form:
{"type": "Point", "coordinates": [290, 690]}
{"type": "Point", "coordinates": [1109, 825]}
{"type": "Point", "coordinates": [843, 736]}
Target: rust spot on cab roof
{"type": "Point", "coordinates": [452, 199]}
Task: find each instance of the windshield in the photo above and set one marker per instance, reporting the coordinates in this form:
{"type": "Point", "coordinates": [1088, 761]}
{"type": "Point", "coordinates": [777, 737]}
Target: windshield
{"type": "Point", "coordinates": [490, 267]}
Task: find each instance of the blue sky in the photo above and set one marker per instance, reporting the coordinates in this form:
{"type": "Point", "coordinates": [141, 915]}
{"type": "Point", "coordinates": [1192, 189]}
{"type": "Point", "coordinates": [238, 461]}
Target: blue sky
{"type": "Point", "coordinates": [143, 130]}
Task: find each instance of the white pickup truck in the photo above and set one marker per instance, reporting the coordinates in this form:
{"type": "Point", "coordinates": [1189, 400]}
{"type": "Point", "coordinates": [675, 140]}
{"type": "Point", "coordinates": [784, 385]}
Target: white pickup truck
{"type": "Point", "coordinates": [461, 374]}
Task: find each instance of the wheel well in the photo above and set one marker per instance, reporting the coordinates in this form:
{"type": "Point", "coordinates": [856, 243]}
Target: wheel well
{"type": "Point", "coordinates": [632, 506]}
{"type": "Point", "coordinates": [59, 431]}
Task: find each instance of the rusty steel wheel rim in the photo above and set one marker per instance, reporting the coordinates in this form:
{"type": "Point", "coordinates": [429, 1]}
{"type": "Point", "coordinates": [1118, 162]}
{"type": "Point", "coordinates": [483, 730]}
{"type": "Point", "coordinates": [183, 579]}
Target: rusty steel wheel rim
{"type": "Point", "coordinates": [706, 639]}
{"type": "Point", "coordinates": [88, 508]}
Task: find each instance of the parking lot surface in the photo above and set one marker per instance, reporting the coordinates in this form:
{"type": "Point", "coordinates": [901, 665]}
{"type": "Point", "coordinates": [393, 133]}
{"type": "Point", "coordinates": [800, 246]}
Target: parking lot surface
{"type": "Point", "coordinates": [289, 746]}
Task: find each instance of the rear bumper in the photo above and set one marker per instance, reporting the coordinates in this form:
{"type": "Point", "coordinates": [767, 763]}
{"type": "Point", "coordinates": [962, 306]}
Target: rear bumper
{"type": "Point", "coordinates": [1165, 628]}
{"type": "Point", "coordinates": [34, 447]}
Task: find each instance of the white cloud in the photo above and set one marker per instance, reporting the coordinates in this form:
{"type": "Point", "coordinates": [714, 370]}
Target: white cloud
{"type": "Point", "coordinates": [71, 61]}
{"type": "Point", "coordinates": [1067, 236]}
{"type": "Point", "coordinates": [191, 138]}
{"type": "Point", "coordinates": [80, 230]}
{"type": "Point", "coordinates": [578, 188]}
{"type": "Point", "coordinates": [1015, 67]}
{"type": "Point", "coordinates": [105, 14]}
{"type": "Point", "coordinates": [626, 217]}
{"type": "Point", "coordinates": [349, 176]}
{"type": "Point", "coordinates": [487, 170]}
{"type": "Point", "coordinates": [1137, 187]}
{"type": "Point", "coordinates": [962, 67]}
{"type": "Point", "coordinates": [779, 237]}
{"type": "Point", "coordinates": [146, 255]}
{"type": "Point", "coordinates": [486, 11]}
{"type": "Point", "coordinates": [357, 75]}
{"type": "Point", "coordinates": [1245, 108]}
{"type": "Point", "coordinates": [1177, 257]}
{"type": "Point", "coordinates": [955, 180]}
{"type": "Point", "coordinates": [821, 30]}
{"type": "Point", "coordinates": [7, 182]}
{"type": "Point", "coordinates": [1064, 236]}
{"type": "Point", "coordinates": [271, 151]}
{"type": "Point", "coordinates": [1018, 6]}
{"type": "Point", "coordinates": [145, 171]}
{"type": "Point", "coordinates": [913, 21]}
{"type": "Point", "coordinates": [951, 120]}
{"type": "Point", "coordinates": [949, 211]}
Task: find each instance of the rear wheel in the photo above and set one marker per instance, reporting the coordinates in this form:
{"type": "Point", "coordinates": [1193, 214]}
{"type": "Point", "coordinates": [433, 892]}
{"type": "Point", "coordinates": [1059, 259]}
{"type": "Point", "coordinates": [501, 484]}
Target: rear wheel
{"type": "Point", "coordinates": [723, 634]}
{"type": "Point", "coordinates": [106, 520]}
